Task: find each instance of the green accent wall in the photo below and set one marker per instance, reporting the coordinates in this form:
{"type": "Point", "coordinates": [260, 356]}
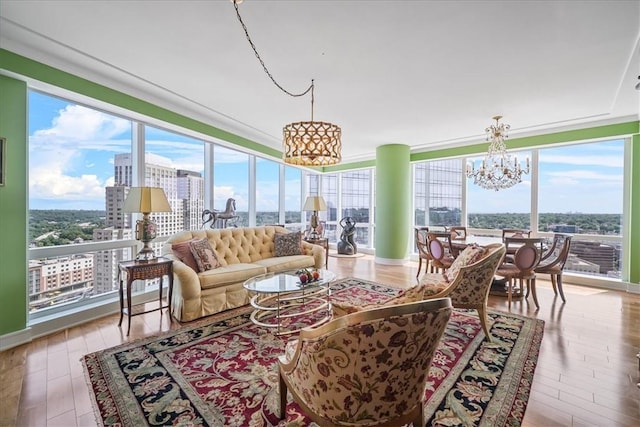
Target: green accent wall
{"type": "Point", "coordinates": [13, 206]}
{"type": "Point", "coordinates": [393, 174]}
{"type": "Point", "coordinates": [44, 73]}
{"type": "Point", "coordinates": [393, 201]}
{"type": "Point", "coordinates": [633, 257]}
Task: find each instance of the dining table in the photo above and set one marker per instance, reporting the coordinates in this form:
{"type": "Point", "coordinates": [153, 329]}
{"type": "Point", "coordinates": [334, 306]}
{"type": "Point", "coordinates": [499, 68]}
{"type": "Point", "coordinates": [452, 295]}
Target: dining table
{"type": "Point", "coordinates": [499, 285]}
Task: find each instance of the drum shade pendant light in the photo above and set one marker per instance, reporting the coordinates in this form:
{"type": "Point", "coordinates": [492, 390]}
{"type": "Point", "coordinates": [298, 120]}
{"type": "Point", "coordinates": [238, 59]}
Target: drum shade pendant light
{"type": "Point", "coordinates": [307, 143]}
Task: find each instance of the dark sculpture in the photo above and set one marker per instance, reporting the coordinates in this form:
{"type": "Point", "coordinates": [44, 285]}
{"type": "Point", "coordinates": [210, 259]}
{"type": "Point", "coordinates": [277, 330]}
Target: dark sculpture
{"type": "Point", "coordinates": [347, 245]}
{"type": "Point", "coordinates": [216, 218]}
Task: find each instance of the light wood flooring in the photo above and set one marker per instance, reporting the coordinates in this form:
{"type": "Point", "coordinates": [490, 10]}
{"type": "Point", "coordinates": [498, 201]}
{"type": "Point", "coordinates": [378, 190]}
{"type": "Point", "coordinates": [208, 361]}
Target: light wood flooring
{"type": "Point", "coordinates": [586, 374]}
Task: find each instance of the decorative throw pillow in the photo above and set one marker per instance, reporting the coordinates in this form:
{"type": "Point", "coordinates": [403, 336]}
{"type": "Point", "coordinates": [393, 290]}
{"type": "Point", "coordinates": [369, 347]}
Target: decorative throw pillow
{"type": "Point", "coordinates": [182, 251]}
{"type": "Point", "coordinates": [468, 256]}
{"type": "Point", "coordinates": [204, 255]}
{"type": "Point", "coordinates": [288, 244]}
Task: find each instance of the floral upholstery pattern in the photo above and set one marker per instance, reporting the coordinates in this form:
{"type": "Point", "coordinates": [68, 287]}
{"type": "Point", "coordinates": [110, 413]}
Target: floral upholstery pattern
{"type": "Point", "coordinates": [469, 255]}
{"type": "Point", "coordinates": [367, 368]}
{"type": "Point", "coordinates": [469, 288]}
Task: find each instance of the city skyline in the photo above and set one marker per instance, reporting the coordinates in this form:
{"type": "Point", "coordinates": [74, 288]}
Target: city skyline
{"type": "Point", "coordinates": [72, 149]}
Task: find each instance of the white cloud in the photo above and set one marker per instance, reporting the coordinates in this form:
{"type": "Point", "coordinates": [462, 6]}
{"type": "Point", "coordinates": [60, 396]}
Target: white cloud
{"type": "Point", "coordinates": [581, 175]}
{"type": "Point", "coordinates": [58, 162]}
{"type": "Point", "coordinates": [614, 161]}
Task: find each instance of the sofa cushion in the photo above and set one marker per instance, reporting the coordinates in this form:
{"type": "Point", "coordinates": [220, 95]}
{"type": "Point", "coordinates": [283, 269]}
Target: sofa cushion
{"type": "Point", "coordinates": [203, 254]}
{"type": "Point", "coordinates": [284, 263]}
{"type": "Point", "coordinates": [287, 244]}
{"type": "Point", "coordinates": [182, 251]}
{"type": "Point", "coordinates": [229, 275]}
{"type": "Point", "coordinates": [468, 256]}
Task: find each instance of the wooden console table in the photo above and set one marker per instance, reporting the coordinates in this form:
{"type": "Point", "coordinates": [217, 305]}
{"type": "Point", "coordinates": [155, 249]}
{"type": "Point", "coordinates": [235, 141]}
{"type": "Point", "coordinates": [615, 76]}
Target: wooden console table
{"type": "Point", "coordinates": [142, 270]}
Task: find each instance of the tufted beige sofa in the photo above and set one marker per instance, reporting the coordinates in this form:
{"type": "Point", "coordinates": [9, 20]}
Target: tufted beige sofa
{"type": "Point", "coordinates": [243, 253]}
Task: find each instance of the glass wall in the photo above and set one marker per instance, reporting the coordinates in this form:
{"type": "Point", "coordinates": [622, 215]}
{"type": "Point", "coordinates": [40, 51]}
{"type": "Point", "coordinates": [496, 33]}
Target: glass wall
{"type": "Point", "coordinates": [438, 192]}
{"type": "Point", "coordinates": [356, 203]}
{"type": "Point", "coordinates": [508, 208]}
{"type": "Point", "coordinates": [581, 193]}
{"type": "Point", "coordinates": [267, 192]}
{"type": "Point", "coordinates": [75, 197]}
{"type": "Point", "coordinates": [231, 185]}
{"type": "Point", "coordinates": [292, 196]}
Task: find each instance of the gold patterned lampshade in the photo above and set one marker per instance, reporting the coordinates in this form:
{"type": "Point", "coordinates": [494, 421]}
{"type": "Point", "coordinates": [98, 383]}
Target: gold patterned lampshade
{"type": "Point", "coordinates": [314, 204]}
{"type": "Point", "coordinates": [312, 143]}
{"type": "Point", "coordinates": [146, 200]}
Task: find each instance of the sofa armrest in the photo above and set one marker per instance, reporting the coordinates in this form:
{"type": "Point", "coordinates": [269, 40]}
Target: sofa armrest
{"type": "Point", "coordinates": [317, 251]}
{"type": "Point", "coordinates": [185, 279]}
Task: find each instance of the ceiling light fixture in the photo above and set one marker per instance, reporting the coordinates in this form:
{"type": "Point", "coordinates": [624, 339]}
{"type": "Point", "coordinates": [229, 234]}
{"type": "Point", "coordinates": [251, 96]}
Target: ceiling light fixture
{"type": "Point", "coordinates": [308, 143]}
{"type": "Point", "coordinates": [497, 171]}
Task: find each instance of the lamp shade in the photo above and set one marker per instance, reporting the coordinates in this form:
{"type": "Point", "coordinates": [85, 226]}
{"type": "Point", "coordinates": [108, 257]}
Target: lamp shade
{"type": "Point", "coordinates": [314, 203]}
{"type": "Point", "coordinates": [145, 200]}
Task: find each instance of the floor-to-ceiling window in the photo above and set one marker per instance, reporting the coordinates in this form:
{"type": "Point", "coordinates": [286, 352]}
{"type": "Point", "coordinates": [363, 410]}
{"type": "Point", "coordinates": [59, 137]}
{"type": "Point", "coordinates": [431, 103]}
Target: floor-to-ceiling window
{"type": "Point", "coordinates": [292, 197]}
{"type": "Point", "coordinates": [580, 192]}
{"type": "Point", "coordinates": [231, 183]}
{"type": "Point", "coordinates": [267, 192]}
{"type": "Point", "coordinates": [356, 203]}
{"type": "Point", "coordinates": [507, 208]}
{"type": "Point", "coordinates": [438, 192]}
{"type": "Point", "coordinates": [329, 187]}
{"type": "Point", "coordinates": [74, 198]}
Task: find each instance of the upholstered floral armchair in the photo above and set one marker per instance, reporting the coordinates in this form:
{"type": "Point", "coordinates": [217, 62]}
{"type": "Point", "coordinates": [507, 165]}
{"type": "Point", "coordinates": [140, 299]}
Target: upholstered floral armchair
{"type": "Point", "coordinates": [367, 368]}
{"type": "Point", "coordinates": [467, 282]}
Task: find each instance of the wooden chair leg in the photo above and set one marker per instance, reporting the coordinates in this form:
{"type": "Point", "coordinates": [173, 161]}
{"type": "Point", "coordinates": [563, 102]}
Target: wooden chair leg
{"type": "Point", "coordinates": [420, 266]}
{"type": "Point", "coordinates": [559, 281]}
{"type": "Point", "coordinates": [509, 288]}
{"type": "Point", "coordinates": [283, 397]}
{"type": "Point", "coordinates": [532, 285]}
{"type": "Point", "coordinates": [482, 314]}
{"type": "Point", "coordinates": [419, 419]}
{"type": "Point", "coordinates": [554, 284]}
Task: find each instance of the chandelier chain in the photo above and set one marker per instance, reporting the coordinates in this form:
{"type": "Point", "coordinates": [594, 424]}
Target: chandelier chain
{"type": "Point", "coordinates": [264, 67]}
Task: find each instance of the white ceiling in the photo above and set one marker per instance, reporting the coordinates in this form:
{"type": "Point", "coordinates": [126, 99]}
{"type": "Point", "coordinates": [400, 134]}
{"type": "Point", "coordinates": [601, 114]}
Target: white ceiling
{"type": "Point", "coordinates": [429, 74]}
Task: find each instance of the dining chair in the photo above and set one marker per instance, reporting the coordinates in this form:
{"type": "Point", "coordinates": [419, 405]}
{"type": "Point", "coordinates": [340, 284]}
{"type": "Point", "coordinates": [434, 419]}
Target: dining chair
{"type": "Point", "coordinates": [439, 247]}
{"type": "Point", "coordinates": [368, 368]}
{"type": "Point", "coordinates": [554, 260]}
{"type": "Point", "coordinates": [513, 232]}
{"type": "Point", "coordinates": [527, 254]}
{"type": "Point", "coordinates": [421, 245]}
{"type": "Point", "coordinates": [458, 232]}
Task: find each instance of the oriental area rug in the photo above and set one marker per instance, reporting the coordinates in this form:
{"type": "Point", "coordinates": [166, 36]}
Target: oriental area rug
{"type": "Point", "coordinates": [222, 371]}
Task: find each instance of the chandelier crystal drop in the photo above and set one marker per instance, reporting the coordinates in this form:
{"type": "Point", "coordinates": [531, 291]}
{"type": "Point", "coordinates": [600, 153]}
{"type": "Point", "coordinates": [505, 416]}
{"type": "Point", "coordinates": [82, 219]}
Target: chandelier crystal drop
{"type": "Point", "coordinates": [498, 170]}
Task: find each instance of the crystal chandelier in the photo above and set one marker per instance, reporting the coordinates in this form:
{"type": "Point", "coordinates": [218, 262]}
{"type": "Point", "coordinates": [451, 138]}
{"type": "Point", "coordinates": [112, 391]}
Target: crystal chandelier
{"type": "Point", "coordinates": [307, 143]}
{"type": "Point", "coordinates": [498, 170]}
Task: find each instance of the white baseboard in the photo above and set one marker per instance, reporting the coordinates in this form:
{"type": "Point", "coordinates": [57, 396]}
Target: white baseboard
{"type": "Point", "coordinates": [390, 261]}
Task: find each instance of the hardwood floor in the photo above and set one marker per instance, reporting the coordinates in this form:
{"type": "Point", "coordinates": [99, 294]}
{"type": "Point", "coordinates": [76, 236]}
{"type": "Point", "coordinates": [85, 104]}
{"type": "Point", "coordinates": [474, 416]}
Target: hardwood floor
{"type": "Point", "coordinates": [586, 373]}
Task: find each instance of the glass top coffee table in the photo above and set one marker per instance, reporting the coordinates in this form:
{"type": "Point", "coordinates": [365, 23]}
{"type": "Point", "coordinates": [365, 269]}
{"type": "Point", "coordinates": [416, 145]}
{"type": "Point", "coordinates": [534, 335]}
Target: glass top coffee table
{"type": "Point", "coordinates": [282, 302]}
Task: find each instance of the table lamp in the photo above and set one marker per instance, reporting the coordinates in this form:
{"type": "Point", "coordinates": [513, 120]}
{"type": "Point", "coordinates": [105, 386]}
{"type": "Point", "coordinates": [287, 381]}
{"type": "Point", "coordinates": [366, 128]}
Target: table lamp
{"type": "Point", "coordinates": [146, 200]}
{"type": "Point", "coordinates": [314, 204]}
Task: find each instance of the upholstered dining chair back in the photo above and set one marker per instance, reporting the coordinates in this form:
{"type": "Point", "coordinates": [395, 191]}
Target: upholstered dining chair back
{"type": "Point", "coordinates": [367, 368]}
{"type": "Point", "coordinates": [420, 236]}
{"type": "Point", "coordinates": [528, 252]}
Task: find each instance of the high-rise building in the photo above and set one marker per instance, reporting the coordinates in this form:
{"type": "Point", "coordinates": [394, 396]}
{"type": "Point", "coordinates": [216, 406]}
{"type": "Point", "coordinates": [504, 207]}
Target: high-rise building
{"type": "Point", "coordinates": [106, 262]}
{"type": "Point", "coordinates": [191, 193]}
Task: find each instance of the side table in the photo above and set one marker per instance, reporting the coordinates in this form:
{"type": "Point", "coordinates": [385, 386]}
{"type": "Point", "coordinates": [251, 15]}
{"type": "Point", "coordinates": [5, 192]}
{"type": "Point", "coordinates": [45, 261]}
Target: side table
{"type": "Point", "coordinates": [324, 242]}
{"type": "Point", "coordinates": [141, 270]}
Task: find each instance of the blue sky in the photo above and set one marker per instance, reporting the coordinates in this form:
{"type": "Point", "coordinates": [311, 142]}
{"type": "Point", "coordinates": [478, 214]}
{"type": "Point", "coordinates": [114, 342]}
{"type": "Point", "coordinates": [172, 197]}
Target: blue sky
{"type": "Point", "coordinates": [72, 150]}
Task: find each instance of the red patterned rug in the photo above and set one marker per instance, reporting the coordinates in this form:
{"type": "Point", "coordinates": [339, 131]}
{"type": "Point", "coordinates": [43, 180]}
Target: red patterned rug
{"type": "Point", "coordinates": [221, 371]}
